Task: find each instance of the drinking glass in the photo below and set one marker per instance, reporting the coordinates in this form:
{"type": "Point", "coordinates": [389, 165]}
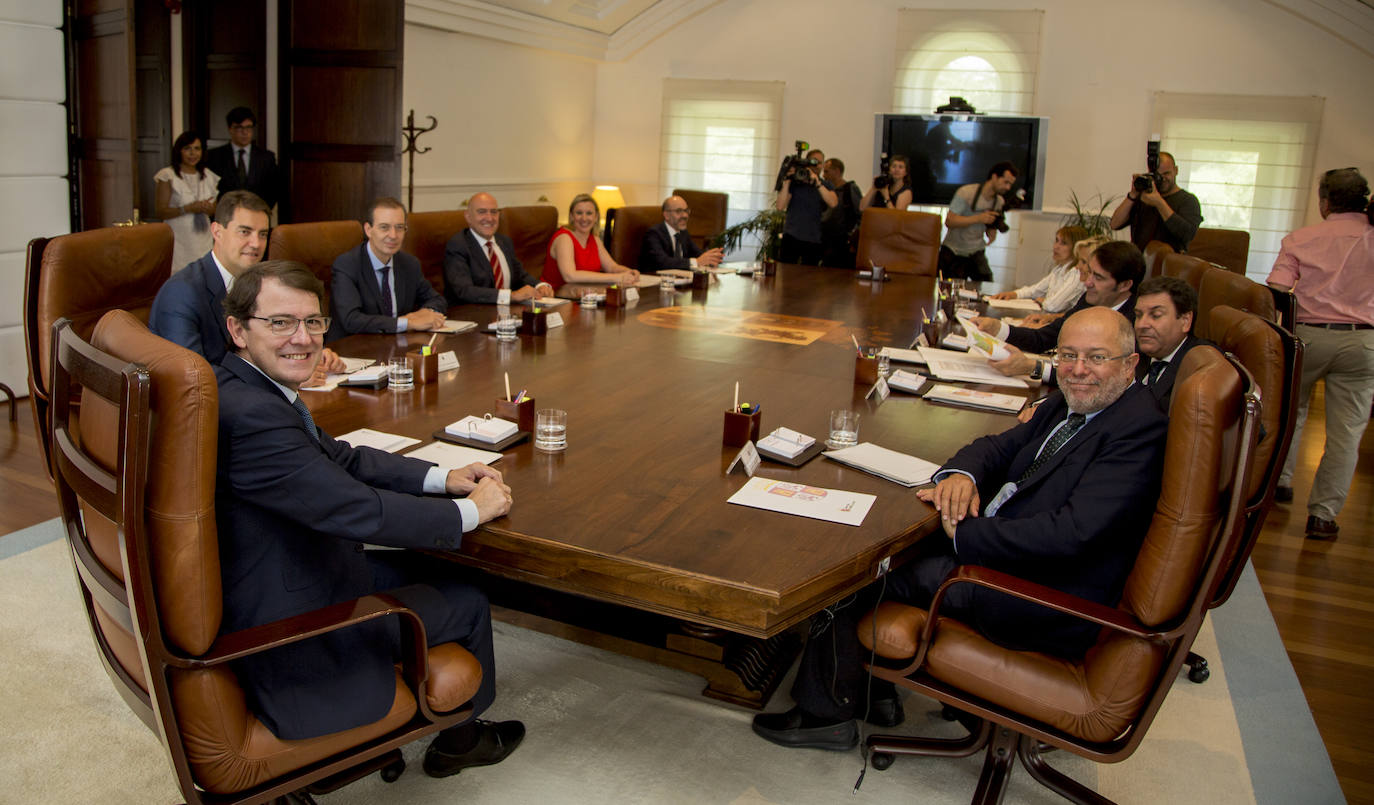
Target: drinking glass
{"type": "Point", "coordinates": [667, 282]}
{"type": "Point", "coordinates": [550, 430]}
{"type": "Point", "coordinates": [844, 429]}
{"type": "Point", "coordinates": [506, 327]}
{"type": "Point", "coordinates": [399, 375]}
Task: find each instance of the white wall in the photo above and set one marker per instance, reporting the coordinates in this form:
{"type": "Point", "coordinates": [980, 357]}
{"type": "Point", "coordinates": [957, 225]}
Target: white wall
{"type": "Point", "coordinates": [33, 161]}
{"type": "Point", "coordinates": [514, 121]}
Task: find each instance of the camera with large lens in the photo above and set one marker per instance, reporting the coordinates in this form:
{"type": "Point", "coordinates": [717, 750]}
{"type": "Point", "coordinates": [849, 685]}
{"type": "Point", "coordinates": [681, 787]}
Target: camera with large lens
{"type": "Point", "coordinates": [1009, 202]}
{"type": "Point", "coordinates": [797, 167]}
{"type": "Point", "coordinates": [882, 181]}
{"type": "Point", "coordinates": [1147, 181]}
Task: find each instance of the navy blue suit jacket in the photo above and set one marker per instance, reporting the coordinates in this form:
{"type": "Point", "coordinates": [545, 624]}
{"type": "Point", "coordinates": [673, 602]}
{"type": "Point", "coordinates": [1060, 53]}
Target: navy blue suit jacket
{"type": "Point", "coordinates": [1163, 388]}
{"type": "Point", "coordinates": [189, 310]}
{"type": "Point", "coordinates": [292, 516]}
{"type": "Point", "coordinates": [1044, 339]}
{"type": "Point", "coordinates": [656, 252]}
{"type": "Point", "coordinates": [1076, 525]}
{"type": "Point", "coordinates": [467, 271]}
{"type": "Point", "coordinates": [355, 298]}
{"type": "Point", "coordinates": [263, 177]}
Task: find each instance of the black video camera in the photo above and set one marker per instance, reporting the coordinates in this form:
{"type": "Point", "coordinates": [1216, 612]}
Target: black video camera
{"type": "Point", "coordinates": [1146, 182]}
{"type": "Point", "coordinates": [797, 167]}
{"type": "Point", "coordinates": [883, 179]}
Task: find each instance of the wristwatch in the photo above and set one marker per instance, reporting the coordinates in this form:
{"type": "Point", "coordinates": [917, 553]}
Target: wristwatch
{"type": "Point", "coordinates": [1039, 371]}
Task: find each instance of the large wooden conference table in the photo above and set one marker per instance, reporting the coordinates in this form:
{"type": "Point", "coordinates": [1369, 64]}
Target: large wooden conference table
{"type": "Point", "coordinates": [632, 518]}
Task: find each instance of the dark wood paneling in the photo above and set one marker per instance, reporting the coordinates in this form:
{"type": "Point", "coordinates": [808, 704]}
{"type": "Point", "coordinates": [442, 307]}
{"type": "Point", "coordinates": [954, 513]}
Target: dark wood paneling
{"type": "Point", "coordinates": [343, 105]}
{"type": "Point", "coordinates": [226, 65]}
{"type": "Point", "coordinates": [153, 94]}
{"type": "Point", "coordinates": [102, 47]}
{"type": "Point", "coordinates": [345, 25]}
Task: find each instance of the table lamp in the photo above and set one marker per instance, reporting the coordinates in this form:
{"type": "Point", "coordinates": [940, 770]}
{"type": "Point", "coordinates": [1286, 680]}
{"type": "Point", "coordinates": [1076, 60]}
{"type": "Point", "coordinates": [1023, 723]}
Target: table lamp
{"type": "Point", "coordinates": [607, 196]}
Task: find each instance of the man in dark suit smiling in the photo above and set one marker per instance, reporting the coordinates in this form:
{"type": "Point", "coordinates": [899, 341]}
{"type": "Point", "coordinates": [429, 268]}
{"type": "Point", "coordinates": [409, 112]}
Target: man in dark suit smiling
{"type": "Point", "coordinates": [376, 287]}
{"type": "Point", "coordinates": [480, 265]}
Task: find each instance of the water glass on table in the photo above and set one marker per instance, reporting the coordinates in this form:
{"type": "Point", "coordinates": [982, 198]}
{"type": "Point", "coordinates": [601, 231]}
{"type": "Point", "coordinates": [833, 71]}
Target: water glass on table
{"type": "Point", "coordinates": [844, 429]}
{"type": "Point", "coordinates": [506, 327]}
{"type": "Point", "coordinates": [550, 430]}
{"type": "Point", "coordinates": [399, 375]}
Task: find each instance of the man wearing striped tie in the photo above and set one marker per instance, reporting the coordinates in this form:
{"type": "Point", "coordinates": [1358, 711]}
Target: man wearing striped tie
{"type": "Point", "coordinates": [295, 509]}
{"type": "Point", "coordinates": [1063, 500]}
{"type": "Point", "coordinates": [480, 266]}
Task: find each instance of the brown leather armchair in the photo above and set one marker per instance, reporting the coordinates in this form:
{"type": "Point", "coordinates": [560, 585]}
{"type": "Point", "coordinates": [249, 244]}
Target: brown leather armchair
{"type": "Point", "coordinates": [1228, 248]}
{"type": "Point", "coordinates": [710, 212]}
{"type": "Point", "coordinates": [625, 228]}
{"type": "Point", "coordinates": [902, 242]}
{"type": "Point", "coordinates": [137, 494]}
{"type": "Point", "coordinates": [1099, 706]}
{"type": "Point", "coordinates": [1155, 251]}
{"type": "Point", "coordinates": [530, 228]}
{"type": "Point", "coordinates": [429, 234]}
{"type": "Point", "coordinates": [81, 277]}
{"type": "Point", "coordinates": [316, 244]}
{"type": "Point", "coordinates": [1217, 286]}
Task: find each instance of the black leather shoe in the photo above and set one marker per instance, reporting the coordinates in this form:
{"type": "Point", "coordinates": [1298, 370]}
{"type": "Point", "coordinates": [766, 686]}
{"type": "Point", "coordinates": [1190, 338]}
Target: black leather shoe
{"type": "Point", "coordinates": [1283, 494]}
{"type": "Point", "coordinates": [883, 712]}
{"type": "Point", "coordinates": [495, 741]}
{"type": "Point", "coordinates": [794, 728]}
{"type": "Point", "coordinates": [1317, 528]}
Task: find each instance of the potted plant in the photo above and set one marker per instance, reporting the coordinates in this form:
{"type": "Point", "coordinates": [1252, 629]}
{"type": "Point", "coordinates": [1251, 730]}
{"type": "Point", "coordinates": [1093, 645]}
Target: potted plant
{"type": "Point", "coordinates": [1091, 216]}
{"type": "Point", "coordinates": [766, 226]}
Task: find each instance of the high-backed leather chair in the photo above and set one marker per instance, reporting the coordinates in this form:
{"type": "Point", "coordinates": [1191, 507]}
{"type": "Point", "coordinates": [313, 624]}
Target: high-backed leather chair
{"type": "Point", "coordinates": [1228, 248]}
{"type": "Point", "coordinates": [1285, 307]}
{"type": "Point", "coordinates": [625, 228]}
{"type": "Point", "coordinates": [902, 242]}
{"type": "Point", "coordinates": [1155, 251]}
{"type": "Point", "coordinates": [137, 495]}
{"type": "Point", "coordinates": [1218, 286]}
{"type": "Point", "coordinates": [429, 234]}
{"type": "Point", "coordinates": [316, 244]}
{"type": "Point", "coordinates": [81, 277]}
{"type": "Point", "coordinates": [530, 228]}
{"type": "Point", "coordinates": [1099, 706]}
{"type": "Point", "coordinates": [710, 213]}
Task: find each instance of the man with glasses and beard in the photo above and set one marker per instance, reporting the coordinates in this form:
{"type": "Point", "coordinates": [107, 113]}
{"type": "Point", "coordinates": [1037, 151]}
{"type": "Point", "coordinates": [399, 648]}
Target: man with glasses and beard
{"type": "Point", "coordinates": [1063, 500]}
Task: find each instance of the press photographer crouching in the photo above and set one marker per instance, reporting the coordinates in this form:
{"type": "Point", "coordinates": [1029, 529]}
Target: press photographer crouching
{"type": "Point", "coordinates": [892, 187]}
{"type": "Point", "coordinates": [804, 197]}
{"type": "Point", "coordinates": [1155, 207]}
{"type": "Point", "coordinates": [975, 216]}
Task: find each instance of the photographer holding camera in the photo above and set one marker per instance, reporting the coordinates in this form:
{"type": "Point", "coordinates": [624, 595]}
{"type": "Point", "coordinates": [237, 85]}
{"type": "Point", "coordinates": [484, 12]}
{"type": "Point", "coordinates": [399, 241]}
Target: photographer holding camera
{"type": "Point", "coordinates": [804, 197]}
{"type": "Point", "coordinates": [892, 187]}
{"type": "Point", "coordinates": [1156, 208]}
{"type": "Point", "coordinates": [975, 216]}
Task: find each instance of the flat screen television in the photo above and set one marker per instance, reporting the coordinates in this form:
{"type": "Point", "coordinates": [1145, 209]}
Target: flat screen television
{"type": "Point", "coordinates": [951, 150]}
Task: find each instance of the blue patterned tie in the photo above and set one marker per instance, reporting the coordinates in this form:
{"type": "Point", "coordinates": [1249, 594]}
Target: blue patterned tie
{"type": "Point", "coordinates": [388, 307]}
{"type": "Point", "coordinates": [1156, 369]}
{"type": "Point", "coordinates": [1058, 440]}
{"type": "Point", "coordinates": [309, 420]}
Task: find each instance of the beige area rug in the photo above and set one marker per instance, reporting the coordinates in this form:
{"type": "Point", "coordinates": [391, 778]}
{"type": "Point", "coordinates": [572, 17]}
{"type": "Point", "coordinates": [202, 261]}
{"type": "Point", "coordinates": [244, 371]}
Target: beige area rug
{"type": "Point", "coordinates": [602, 728]}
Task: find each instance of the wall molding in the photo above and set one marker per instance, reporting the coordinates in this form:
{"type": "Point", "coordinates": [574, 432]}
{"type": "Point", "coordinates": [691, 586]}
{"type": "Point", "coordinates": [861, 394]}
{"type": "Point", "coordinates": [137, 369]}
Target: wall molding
{"type": "Point", "coordinates": [1350, 21]}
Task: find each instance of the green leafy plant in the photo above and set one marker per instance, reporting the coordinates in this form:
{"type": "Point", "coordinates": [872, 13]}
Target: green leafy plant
{"type": "Point", "coordinates": [766, 226]}
{"type": "Point", "coordinates": [1092, 216]}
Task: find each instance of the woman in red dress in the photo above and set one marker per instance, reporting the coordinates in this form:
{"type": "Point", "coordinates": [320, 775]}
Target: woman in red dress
{"type": "Point", "coordinates": [576, 253]}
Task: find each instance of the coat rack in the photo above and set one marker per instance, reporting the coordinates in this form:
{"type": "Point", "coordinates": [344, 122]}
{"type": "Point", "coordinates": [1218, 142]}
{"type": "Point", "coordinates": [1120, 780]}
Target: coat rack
{"type": "Point", "coordinates": [412, 134]}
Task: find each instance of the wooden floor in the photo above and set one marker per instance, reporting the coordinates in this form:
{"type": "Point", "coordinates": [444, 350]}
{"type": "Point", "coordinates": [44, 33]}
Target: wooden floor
{"type": "Point", "coordinates": [1321, 594]}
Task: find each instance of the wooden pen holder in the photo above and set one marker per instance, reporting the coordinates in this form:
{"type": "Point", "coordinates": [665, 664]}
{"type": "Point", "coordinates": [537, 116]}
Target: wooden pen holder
{"type": "Point", "coordinates": [931, 330]}
{"type": "Point", "coordinates": [534, 322]}
{"type": "Point", "coordinates": [866, 369]}
{"type": "Point", "coordinates": [769, 267]}
{"type": "Point", "coordinates": [741, 428]}
{"type": "Point", "coordinates": [701, 280]}
{"type": "Point", "coordinates": [521, 413]}
{"type": "Point", "coordinates": [425, 367]}
{"type": "Point", "coordinates": [615, 296]}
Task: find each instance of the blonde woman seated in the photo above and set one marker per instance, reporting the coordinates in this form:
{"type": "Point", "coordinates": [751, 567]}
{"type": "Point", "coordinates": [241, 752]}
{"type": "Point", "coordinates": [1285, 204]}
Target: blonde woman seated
{"type": "Point", "coordinates": [1082, 250]}
{"type": "Point", "coordinates": [577, 255]}
{"type": "Point", "coordinates": [1060, 289]}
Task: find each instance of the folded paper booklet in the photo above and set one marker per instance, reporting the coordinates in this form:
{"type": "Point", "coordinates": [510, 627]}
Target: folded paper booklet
{"type": "Point", "coordinates": [544, 301]}
{"type": "Point", "coordinates": [386, 442]}
{"type": "Point", "coordinates": [456, 326]}
{"type": "Point", "coordinates": [981, 343]}
{"type": "Point", "coordinates": [452, 456]}
{"type": "Point", "coordinates": [966, 368]}
{"type": "Point", "coordinates": [969, 398]}
{"type": "Point", "coordinates": [907, 381]}
{"type": "Point", "coordinates": [896, 467]}
{"type": "Point", "coordinates": [833, 505]}
{"type": "Point", "coordinates": [1026, 305]}
{"type": "Point", "coordinates": [483, 428]}
{"type": "Point", "coordinates": [902, 355]}
{"type": "Point", "coordinates": [786, 442]}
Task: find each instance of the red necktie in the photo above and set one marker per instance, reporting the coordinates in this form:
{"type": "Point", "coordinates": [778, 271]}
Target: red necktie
{"type": "Point", "coordinates": [495, 267]}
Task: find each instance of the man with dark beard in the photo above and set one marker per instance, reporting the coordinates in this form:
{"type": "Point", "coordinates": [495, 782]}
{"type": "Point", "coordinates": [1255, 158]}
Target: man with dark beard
{"type": "Point", "coordinates": [1069, 496]}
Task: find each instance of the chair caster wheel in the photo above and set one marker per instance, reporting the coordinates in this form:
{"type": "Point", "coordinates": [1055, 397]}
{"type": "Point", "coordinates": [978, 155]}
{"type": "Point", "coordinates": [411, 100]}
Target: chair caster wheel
{"type": "Point", "coordinates": [1199, 673]}
{"type": "Point", "coordinates": [391, 772]}
{"type": "Point", "coordinates": [881, 760]}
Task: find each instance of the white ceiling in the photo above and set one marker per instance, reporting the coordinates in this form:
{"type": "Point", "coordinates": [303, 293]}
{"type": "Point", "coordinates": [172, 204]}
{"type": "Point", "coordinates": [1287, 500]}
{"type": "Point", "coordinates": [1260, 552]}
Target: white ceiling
{"type": "Point", "coordinates": [602, 16]}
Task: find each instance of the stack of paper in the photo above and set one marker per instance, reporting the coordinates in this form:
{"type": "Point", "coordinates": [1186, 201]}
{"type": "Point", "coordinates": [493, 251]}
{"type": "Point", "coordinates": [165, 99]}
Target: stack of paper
{"type": "Point", "coordinates": [968, 398]}
{"type": "Point", "coordinates": [386, 442]}
{"type": "Point", "coordinates": [786, 442]}
{"type": "Point", "coordinates": [833, 505]}
{"type": "Point", "coordinates": [962, 367]}
{"type": "Point", "coordinates": [483, 429]}
{"type": "Point", "coordinates": [896, 467]}
{"type": "Point", "coordinates": [1026, 305]}
{"type": "Point", "coordinates": [456, 326]}
{"type": "Point", "coordinates": [902, 355]}
{"type": "Point", "coordinates": [452, 456]}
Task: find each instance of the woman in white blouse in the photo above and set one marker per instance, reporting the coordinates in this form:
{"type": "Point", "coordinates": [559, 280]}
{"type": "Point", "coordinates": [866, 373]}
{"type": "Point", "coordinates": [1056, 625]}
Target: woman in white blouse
{"type": "Point", "coordinates": [1060, 289]}
{"type": "Point", "coordinates": [186, 193]}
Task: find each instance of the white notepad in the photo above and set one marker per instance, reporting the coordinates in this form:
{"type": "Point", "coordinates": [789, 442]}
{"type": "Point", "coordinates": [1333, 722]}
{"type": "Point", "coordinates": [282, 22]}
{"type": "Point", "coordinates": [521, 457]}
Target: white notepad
{"type": "Point", "coordinates": [378, 440]}
{"type": "Point", "coordinates": [896, 467]}
{"type": "Point", "coordinates": [482, 429]}
{"type": "Point", "coordinates": [452, 456]}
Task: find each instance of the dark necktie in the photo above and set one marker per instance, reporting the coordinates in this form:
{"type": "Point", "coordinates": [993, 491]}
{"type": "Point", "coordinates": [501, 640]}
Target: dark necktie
{"type": "Point", "coordinates": [677, 244]}
{"type": "Point", "coordinates": [242, 170]}
{"type": "Point", "coordinates": [495, 267]}
{"type": "Point", "coordinates": [1156, 369]}
{"type": "Point", "coordinates": [1058, 440]}
{"type": "Point", "coordinates": [388, 307]}
{"type": "Point", "coordinates": [309, 420]}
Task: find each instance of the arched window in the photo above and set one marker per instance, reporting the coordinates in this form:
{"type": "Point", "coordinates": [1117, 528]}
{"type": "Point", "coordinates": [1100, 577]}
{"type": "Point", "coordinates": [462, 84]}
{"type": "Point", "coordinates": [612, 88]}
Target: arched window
{"type": "Point", "coordinates": [987, 58]}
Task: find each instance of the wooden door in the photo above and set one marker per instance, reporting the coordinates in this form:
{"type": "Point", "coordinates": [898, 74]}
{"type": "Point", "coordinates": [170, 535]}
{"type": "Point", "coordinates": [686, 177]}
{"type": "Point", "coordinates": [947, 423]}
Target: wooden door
{"type": "Point", "coordinates": [341, 105]}
{"type": "Point", "coordinates": [226, 66]}
{"type": "Point", "coordinates": [105, 156]}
